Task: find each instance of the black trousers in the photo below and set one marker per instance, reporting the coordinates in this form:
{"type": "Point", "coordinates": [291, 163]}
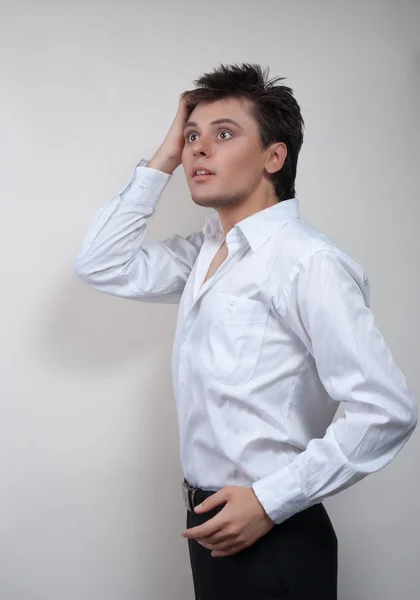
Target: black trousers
{"type": "Point", "coordinates": [295, 560]}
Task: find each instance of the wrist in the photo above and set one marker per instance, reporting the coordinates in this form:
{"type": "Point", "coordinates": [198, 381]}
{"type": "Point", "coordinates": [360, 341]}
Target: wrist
{"type": "Point", "coordinates": [163, 162]}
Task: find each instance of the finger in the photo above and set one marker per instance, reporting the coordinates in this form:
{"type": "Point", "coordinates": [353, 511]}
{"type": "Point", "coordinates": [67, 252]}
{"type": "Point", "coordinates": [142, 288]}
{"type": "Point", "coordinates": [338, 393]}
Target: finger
{"type": "Point", "coordinates": [215, 543]}
{"type": "Point", "coordinates": [220, 498]}
{"type": "Point", "coordinates": [205, 545]}
{"type": "Point", "coordinates": [220, 537]}
{"type": "Point", "coordinates": [211, 527]}
{"type": "Point", "coordinates": [185, 97]}
{"type": "Point", "coordinates": [221, 543]}
{"type": "Point", "coordinates": [225, 546]}
{"type": "Point", "coordinates": [229, 552]}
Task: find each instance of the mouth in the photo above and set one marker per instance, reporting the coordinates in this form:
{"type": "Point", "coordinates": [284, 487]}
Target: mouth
{"type": "Point", "coordinates": [203, 177]}
{"type": "Point", "coordinates": [201, 174]}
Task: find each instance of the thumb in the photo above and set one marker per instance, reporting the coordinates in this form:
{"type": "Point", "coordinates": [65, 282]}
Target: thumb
{"type": "Point", "coordinates": [211, 502]}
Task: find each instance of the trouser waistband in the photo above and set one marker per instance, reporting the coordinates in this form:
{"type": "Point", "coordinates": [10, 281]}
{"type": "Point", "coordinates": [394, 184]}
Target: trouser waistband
{"type": "Point", "coordinates": [193, 496]}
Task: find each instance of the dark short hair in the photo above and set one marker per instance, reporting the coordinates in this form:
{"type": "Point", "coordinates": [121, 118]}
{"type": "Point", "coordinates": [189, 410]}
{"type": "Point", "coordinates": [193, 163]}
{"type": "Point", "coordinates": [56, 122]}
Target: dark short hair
{"type": "Point", "coordinates": [273, 107]}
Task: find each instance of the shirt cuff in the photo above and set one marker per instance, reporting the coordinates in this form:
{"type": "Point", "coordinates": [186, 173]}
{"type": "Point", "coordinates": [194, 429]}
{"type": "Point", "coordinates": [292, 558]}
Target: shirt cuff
{"type": "Point", "coordinates": [146, 185]}
{"type": "Point", "coordinates": [281, 494]}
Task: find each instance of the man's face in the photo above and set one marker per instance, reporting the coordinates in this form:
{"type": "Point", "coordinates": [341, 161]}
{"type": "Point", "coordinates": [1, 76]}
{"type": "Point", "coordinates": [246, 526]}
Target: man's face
{"type": "Point", "coordinates": [232, 151]}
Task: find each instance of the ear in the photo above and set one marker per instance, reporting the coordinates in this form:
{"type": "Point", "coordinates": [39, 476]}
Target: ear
{"type": "Point", "coordinates": [276, 155]}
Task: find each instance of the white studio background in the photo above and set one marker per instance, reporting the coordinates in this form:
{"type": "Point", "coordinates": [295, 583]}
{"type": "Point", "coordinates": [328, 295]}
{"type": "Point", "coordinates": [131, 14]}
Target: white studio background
{"type": "Point", "coordinates": [90, 496]}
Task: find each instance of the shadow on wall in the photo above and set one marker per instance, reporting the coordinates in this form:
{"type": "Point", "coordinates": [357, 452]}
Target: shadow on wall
{"type": "Point", "coordinates": [128, 494]}
{"type": "Point", "coordinates": [87, 329]}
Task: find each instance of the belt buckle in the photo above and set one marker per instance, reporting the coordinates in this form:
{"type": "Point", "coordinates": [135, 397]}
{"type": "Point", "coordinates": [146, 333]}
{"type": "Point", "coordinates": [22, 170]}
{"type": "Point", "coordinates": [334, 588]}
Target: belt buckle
{"type": "Point", "coordinates": [188, 494]}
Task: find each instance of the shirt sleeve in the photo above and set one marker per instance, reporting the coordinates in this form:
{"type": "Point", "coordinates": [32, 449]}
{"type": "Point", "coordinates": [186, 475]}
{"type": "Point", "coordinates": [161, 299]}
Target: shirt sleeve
{"type": "Point", "coordinates": [326, 304]}
{"type": "Point", "coordinates": [114, 257]}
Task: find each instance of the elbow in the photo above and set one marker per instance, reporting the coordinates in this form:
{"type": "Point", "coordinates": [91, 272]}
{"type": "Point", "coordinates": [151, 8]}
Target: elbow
{"type": "Point", "coordinates": [408, 419]}
{"type": "Point", "coordinates": [413, 417]}
{"type": "Point", "coordinates": [81, 271]}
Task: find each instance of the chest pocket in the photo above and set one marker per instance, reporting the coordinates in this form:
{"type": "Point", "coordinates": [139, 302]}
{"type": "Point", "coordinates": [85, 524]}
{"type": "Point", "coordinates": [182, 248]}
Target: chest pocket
{"type": "Point", "coordinates": [232, 337]}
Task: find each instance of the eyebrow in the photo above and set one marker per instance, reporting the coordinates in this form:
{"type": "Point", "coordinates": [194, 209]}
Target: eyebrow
{"type": "Point", "coordinates": [216, 122]}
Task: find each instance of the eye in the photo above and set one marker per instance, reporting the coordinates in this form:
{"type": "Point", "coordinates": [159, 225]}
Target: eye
{"type": "Point", "coordinates": [221, 131]}
{"type": "Point", "coordinates": [225, 131]}
{"type": "Point", "coordinates": [189, 136]}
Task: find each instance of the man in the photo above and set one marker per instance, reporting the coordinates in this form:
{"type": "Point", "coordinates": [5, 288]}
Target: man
{"type": "Point", "coordinates": [274, 331]}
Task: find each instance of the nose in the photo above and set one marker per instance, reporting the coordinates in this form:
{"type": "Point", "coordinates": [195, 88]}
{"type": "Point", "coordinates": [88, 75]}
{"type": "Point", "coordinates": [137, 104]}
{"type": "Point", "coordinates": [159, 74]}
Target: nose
{"type": "Point", "coordinates": [202, 147]}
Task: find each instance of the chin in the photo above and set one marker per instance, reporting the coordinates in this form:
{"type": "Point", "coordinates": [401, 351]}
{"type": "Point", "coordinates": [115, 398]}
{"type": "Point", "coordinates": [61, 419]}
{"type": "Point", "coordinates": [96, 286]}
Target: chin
{"type": "Point", "coordinates": [205, 201]}
{"type": "Point", "coordinates": [214, 201]}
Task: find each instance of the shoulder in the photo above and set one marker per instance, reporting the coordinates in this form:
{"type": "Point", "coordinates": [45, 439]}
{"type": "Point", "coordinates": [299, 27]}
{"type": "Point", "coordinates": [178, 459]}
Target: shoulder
{"type": "Point", "coordinates": [302, 248]}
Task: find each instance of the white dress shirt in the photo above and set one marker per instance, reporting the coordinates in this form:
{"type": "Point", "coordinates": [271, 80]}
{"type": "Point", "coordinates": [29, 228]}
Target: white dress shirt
{"type": "Point", "coordinates": [264, 351]}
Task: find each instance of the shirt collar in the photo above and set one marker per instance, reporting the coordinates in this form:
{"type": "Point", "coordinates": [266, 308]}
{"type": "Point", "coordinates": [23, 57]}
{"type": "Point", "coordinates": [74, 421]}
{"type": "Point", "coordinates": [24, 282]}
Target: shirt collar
{"type": "Point", "coordinates": [260, 226]}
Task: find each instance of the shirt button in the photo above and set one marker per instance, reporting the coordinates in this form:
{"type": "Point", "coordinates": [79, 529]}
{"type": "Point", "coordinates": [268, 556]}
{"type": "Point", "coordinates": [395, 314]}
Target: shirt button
{"type": "Point", "coordinates": [142, 185]}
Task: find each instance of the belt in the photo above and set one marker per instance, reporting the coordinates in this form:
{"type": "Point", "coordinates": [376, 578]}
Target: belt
{"type": "Point", "coordinates": [193, 496]}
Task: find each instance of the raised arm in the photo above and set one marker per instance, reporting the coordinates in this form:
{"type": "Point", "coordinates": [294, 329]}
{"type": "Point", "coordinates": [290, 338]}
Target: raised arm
{"type": "Point", "coordinates": [114, 257]}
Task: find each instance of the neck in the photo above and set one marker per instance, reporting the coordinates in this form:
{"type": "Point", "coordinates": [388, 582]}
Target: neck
{"type": "Point", "coordinates": [230, 216]}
